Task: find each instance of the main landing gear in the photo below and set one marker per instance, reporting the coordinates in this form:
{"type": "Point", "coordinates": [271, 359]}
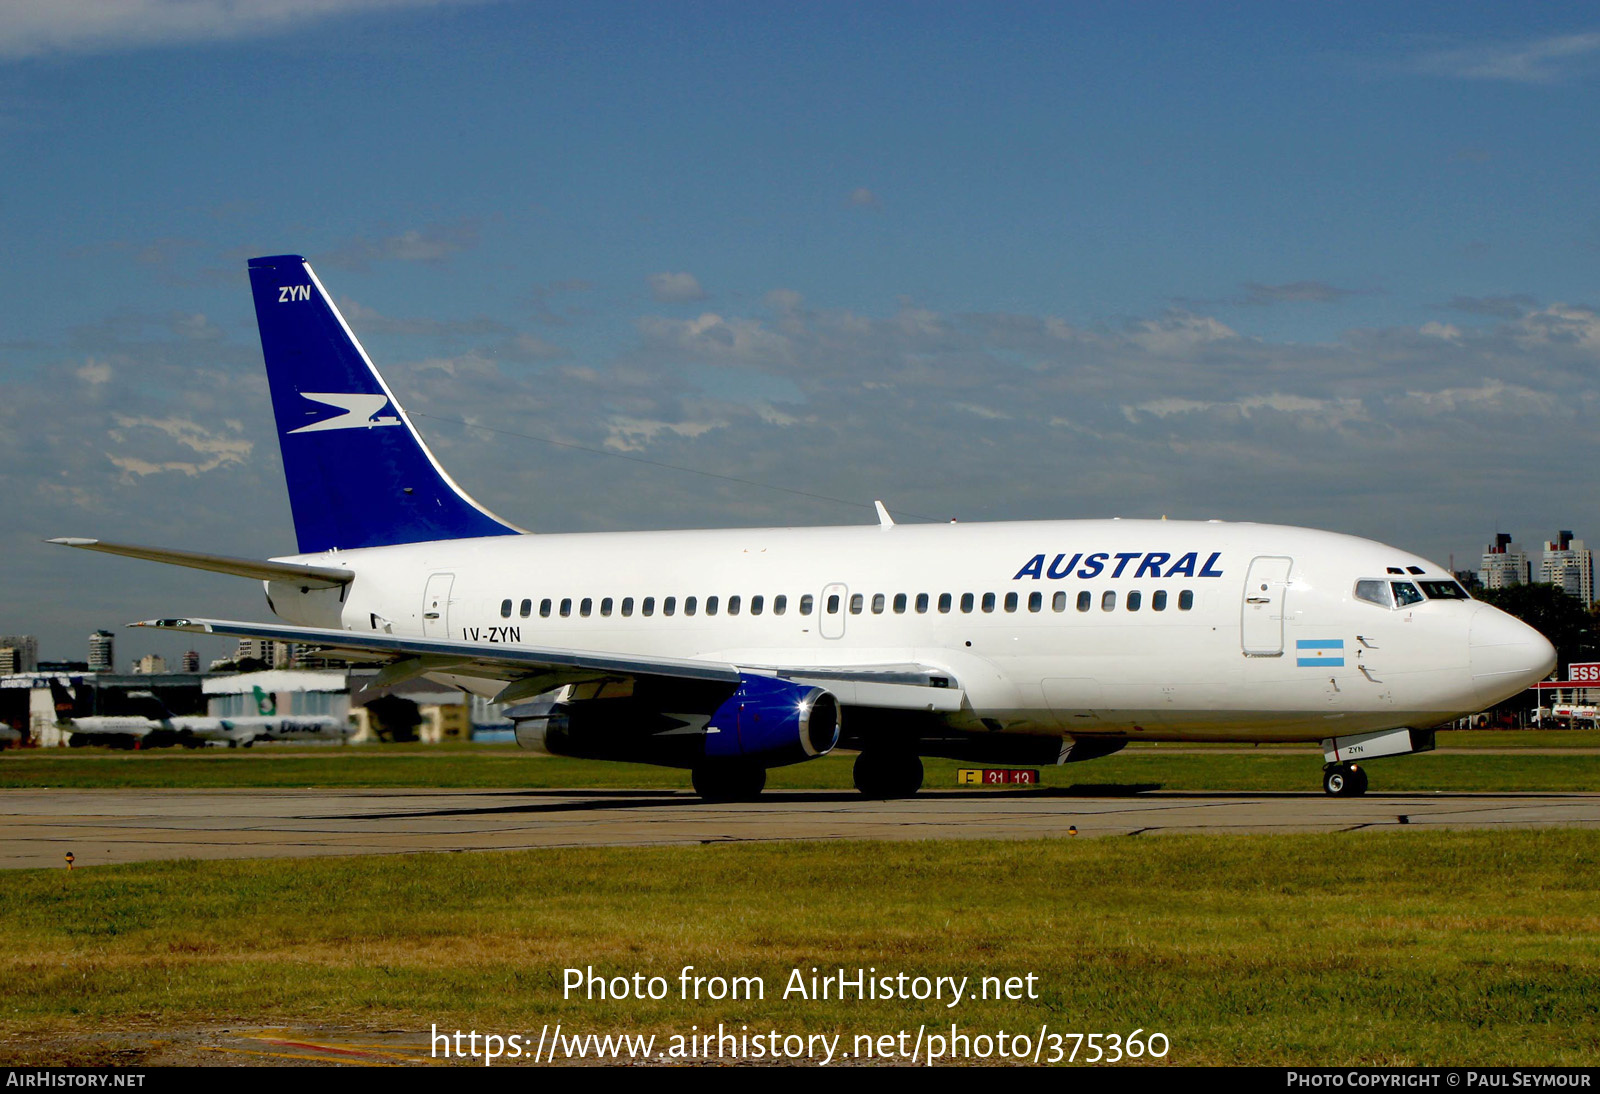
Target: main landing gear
{"type": "Point", "coordinates": [729, 782]}
{"type": "Point", "coordinates": [1344, 780]}
{"type": "Point", "coordinates": [888, 774]}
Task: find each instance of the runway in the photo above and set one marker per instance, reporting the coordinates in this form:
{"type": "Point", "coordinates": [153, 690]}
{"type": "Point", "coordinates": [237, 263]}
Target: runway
{"type": "Point", "coordinates": [114, 826]}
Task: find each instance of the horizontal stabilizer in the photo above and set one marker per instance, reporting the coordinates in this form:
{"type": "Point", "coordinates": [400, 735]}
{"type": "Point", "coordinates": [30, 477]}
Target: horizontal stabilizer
{"type": "Point", "coordinates": [307, 577]}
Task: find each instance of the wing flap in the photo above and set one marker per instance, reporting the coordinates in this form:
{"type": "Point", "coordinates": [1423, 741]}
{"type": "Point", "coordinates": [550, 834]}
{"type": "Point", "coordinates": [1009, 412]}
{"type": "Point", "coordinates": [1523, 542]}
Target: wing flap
{"type": "Point", "coordinates": [885, 695]}
{"type": "Point", "coordinates": [886, 687]}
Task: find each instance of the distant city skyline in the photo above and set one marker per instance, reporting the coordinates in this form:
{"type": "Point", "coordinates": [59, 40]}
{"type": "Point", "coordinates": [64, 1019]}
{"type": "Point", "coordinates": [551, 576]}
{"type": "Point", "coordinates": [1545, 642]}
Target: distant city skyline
{"type": "Point", "coordinates": [703, 264]}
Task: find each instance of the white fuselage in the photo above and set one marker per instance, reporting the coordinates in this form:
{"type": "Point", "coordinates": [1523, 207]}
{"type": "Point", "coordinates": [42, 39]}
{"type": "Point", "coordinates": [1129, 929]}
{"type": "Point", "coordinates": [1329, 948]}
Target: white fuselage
{"type": "Point", "coordinates": [1191, 630]}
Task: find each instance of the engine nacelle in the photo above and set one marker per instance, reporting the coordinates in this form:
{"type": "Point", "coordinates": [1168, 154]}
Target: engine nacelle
{"type": "Point", "coordinates": [769, 721]}
{"type": "Point", "coordinates": [775, 722]}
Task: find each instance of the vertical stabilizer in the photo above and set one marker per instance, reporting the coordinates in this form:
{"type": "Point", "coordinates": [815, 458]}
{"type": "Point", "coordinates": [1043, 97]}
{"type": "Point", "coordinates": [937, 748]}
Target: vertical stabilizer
{"type": "Point", "coordinates": [358, 473]}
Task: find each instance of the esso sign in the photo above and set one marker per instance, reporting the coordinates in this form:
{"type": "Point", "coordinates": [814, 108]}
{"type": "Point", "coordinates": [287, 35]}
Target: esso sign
{"type": "Point", "coordinates": [1584, 674]}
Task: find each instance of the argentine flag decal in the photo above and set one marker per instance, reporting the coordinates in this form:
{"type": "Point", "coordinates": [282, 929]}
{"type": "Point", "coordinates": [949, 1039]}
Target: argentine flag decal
{"type": "Point", "coordinates": [1327, 653]}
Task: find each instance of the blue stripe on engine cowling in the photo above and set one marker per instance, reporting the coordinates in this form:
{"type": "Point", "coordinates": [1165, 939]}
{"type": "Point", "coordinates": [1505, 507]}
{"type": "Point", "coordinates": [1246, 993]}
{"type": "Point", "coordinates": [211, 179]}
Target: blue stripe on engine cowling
{"type": "Point", "coordinates": [365, 484]}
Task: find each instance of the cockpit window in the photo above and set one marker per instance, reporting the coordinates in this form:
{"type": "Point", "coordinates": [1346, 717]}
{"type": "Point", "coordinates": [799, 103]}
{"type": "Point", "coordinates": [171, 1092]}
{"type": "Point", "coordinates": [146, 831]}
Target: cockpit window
{"type": "Point", "coordinates": [1405, 593]}
{"type": "Point", "coordinates": [1443, 590]}
{"type": "Point", "coordinates": [1374, 592]}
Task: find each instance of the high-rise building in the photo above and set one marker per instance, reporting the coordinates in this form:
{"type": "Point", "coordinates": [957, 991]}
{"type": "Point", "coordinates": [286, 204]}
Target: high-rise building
{"type": "Point", "coordinates": [1569, 565]}
{"type": "Point", "coordinates": [151, 664]}
{"type": "Point", "coordinates": [101, 654]}
{"type": "Point", "coordinates": [1504, 564]}
{"type": "Point", "coordinates": [25, 649]}
{"type": "Point", "coordinates": [9, 660]}
{"type": "Point", "coordinates": [314, 657]}
{"type": "Point", "coordinates": [254, 649]}
{"type": "Point", "coordinates": [191, 661]}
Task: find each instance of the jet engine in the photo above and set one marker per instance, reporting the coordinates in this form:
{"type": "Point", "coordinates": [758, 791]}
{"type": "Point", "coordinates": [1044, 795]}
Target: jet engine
{"type": "Point", "coordinates": [766, 721]}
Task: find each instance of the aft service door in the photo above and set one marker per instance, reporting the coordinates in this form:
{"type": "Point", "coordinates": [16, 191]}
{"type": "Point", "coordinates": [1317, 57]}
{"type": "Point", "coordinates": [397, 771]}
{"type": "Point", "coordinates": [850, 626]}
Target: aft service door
{"type": "Point", "coordinates": [1261, 629]}
{"type": "Point", "coordinates": [436, 606]}
{"type": "Point", "coordinates": [830, 610]}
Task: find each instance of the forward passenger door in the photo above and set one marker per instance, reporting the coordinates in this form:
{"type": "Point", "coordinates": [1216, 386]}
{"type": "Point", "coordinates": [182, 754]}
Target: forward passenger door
{"type": "Point", "coordinates": [1265, 590]}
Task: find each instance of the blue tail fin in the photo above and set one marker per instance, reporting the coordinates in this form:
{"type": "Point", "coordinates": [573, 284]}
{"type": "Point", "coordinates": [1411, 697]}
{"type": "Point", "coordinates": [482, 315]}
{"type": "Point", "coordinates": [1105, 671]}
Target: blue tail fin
{"type": "Point", "coordinates": [359, 475]}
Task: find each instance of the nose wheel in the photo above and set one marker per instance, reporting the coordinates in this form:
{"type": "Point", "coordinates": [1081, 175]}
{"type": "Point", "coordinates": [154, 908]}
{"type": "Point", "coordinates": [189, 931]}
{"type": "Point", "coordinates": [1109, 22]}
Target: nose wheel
{"type": "Point", "coordinates": [1344, 780]}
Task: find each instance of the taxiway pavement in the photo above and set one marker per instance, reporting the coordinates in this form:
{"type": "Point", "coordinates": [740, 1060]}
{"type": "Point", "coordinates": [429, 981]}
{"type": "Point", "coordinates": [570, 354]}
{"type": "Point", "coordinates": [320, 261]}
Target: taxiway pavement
{"type": "Point", "coordinates": [113, 826]}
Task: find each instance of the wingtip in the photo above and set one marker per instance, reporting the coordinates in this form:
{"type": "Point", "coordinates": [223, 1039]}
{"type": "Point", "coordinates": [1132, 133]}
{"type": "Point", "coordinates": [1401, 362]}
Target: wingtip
{"type": "Point", "coordinates": [73, 541]}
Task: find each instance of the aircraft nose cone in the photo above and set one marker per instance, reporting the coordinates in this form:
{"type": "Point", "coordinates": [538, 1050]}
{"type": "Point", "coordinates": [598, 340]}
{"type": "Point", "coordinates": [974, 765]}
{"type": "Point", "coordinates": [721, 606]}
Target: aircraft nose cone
{"type": "Point", "coordinates": [1506, 654]}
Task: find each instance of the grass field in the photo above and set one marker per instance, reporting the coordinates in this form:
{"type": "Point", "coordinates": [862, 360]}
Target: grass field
{"type": "Point", "coordinates": [505, 766]}
{"type": "Point", "coordinates": [1362, 948]}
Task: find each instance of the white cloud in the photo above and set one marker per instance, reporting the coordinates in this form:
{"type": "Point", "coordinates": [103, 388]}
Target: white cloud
{"type": "Point", "coordinates": [985, 412]}
{"type": "Point", "coordinates": [784, 301]}
{"type": "Point", "coordinates": [1178, 333]}
{"type": "Point", "coordinates": [634, 434]}
{"type": "Point", "coordinates": [196, 327]}
{"type": "Point", "coordinates": [1327, 412]}
{"type": "Point", "coordinates": [1547, 60]}
{"type": "Point", "coordinates": [431, 244]}
{"type": "Point", "coordinates": [1447, 331]}
{"type": "Point", "coordinates": [218, 448]}
{"type": "Point", "coordinates": [33, 27]}
{"type": "Point", "coordinates": [1562, 323]}
{"type": "Point", "coordinates": [364, 320]}
{"type": "Point", "coordinates": [94, 373]}
{"type": "Point", "coordinates": [1495, 396]}
{"type": "Point", "coordinates": [675, 288]}
{"type": "Point", "coordinates": [862, 198]}
{"type": "Point", "coordinates": [717, 340]}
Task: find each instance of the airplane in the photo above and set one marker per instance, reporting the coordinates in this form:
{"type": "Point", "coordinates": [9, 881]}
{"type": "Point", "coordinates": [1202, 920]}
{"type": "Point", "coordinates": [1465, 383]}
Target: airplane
{"type": "Point", "coordinates": [729, 652]}
{"type": "Point", "coordinates": [159, 727]}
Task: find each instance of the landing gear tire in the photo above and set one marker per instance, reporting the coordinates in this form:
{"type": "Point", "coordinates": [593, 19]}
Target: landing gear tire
{"type": "Point", "coordinates": [729, 783]}
{"type": "Point", "coordinates": [887, 775]}
{"type": "Point", "coordinates": [1344, 780]}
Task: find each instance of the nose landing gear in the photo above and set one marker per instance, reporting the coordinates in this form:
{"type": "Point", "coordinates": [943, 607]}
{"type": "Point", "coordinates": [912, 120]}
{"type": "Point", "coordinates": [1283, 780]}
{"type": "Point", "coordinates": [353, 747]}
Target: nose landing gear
{"type": "Point", "coordinates": [1344, 780]}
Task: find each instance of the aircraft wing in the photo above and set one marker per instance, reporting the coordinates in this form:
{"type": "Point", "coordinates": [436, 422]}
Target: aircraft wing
{"type": "Point", "coordinates": [531, 670]}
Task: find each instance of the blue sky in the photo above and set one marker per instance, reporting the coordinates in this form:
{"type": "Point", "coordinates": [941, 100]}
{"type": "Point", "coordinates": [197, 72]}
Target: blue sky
{"type": "Point", "coordinates": [1316, 264]}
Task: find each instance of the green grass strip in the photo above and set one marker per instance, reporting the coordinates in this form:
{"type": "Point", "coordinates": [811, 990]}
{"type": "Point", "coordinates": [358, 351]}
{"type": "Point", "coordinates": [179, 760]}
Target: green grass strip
{"type": "Point", "coordinates": [506, 767]}
{"type": "Point", "coordinates": [1356, 948]}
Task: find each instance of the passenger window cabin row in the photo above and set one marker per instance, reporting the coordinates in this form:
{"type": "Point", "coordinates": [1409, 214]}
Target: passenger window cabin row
{"type": "Point", "coordinates": [901, 603]}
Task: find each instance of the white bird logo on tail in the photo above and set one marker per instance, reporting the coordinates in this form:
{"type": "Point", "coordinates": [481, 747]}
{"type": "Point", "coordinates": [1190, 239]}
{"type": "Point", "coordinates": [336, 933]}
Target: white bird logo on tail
{"type": "Point", "coordinates": [360, 411]}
